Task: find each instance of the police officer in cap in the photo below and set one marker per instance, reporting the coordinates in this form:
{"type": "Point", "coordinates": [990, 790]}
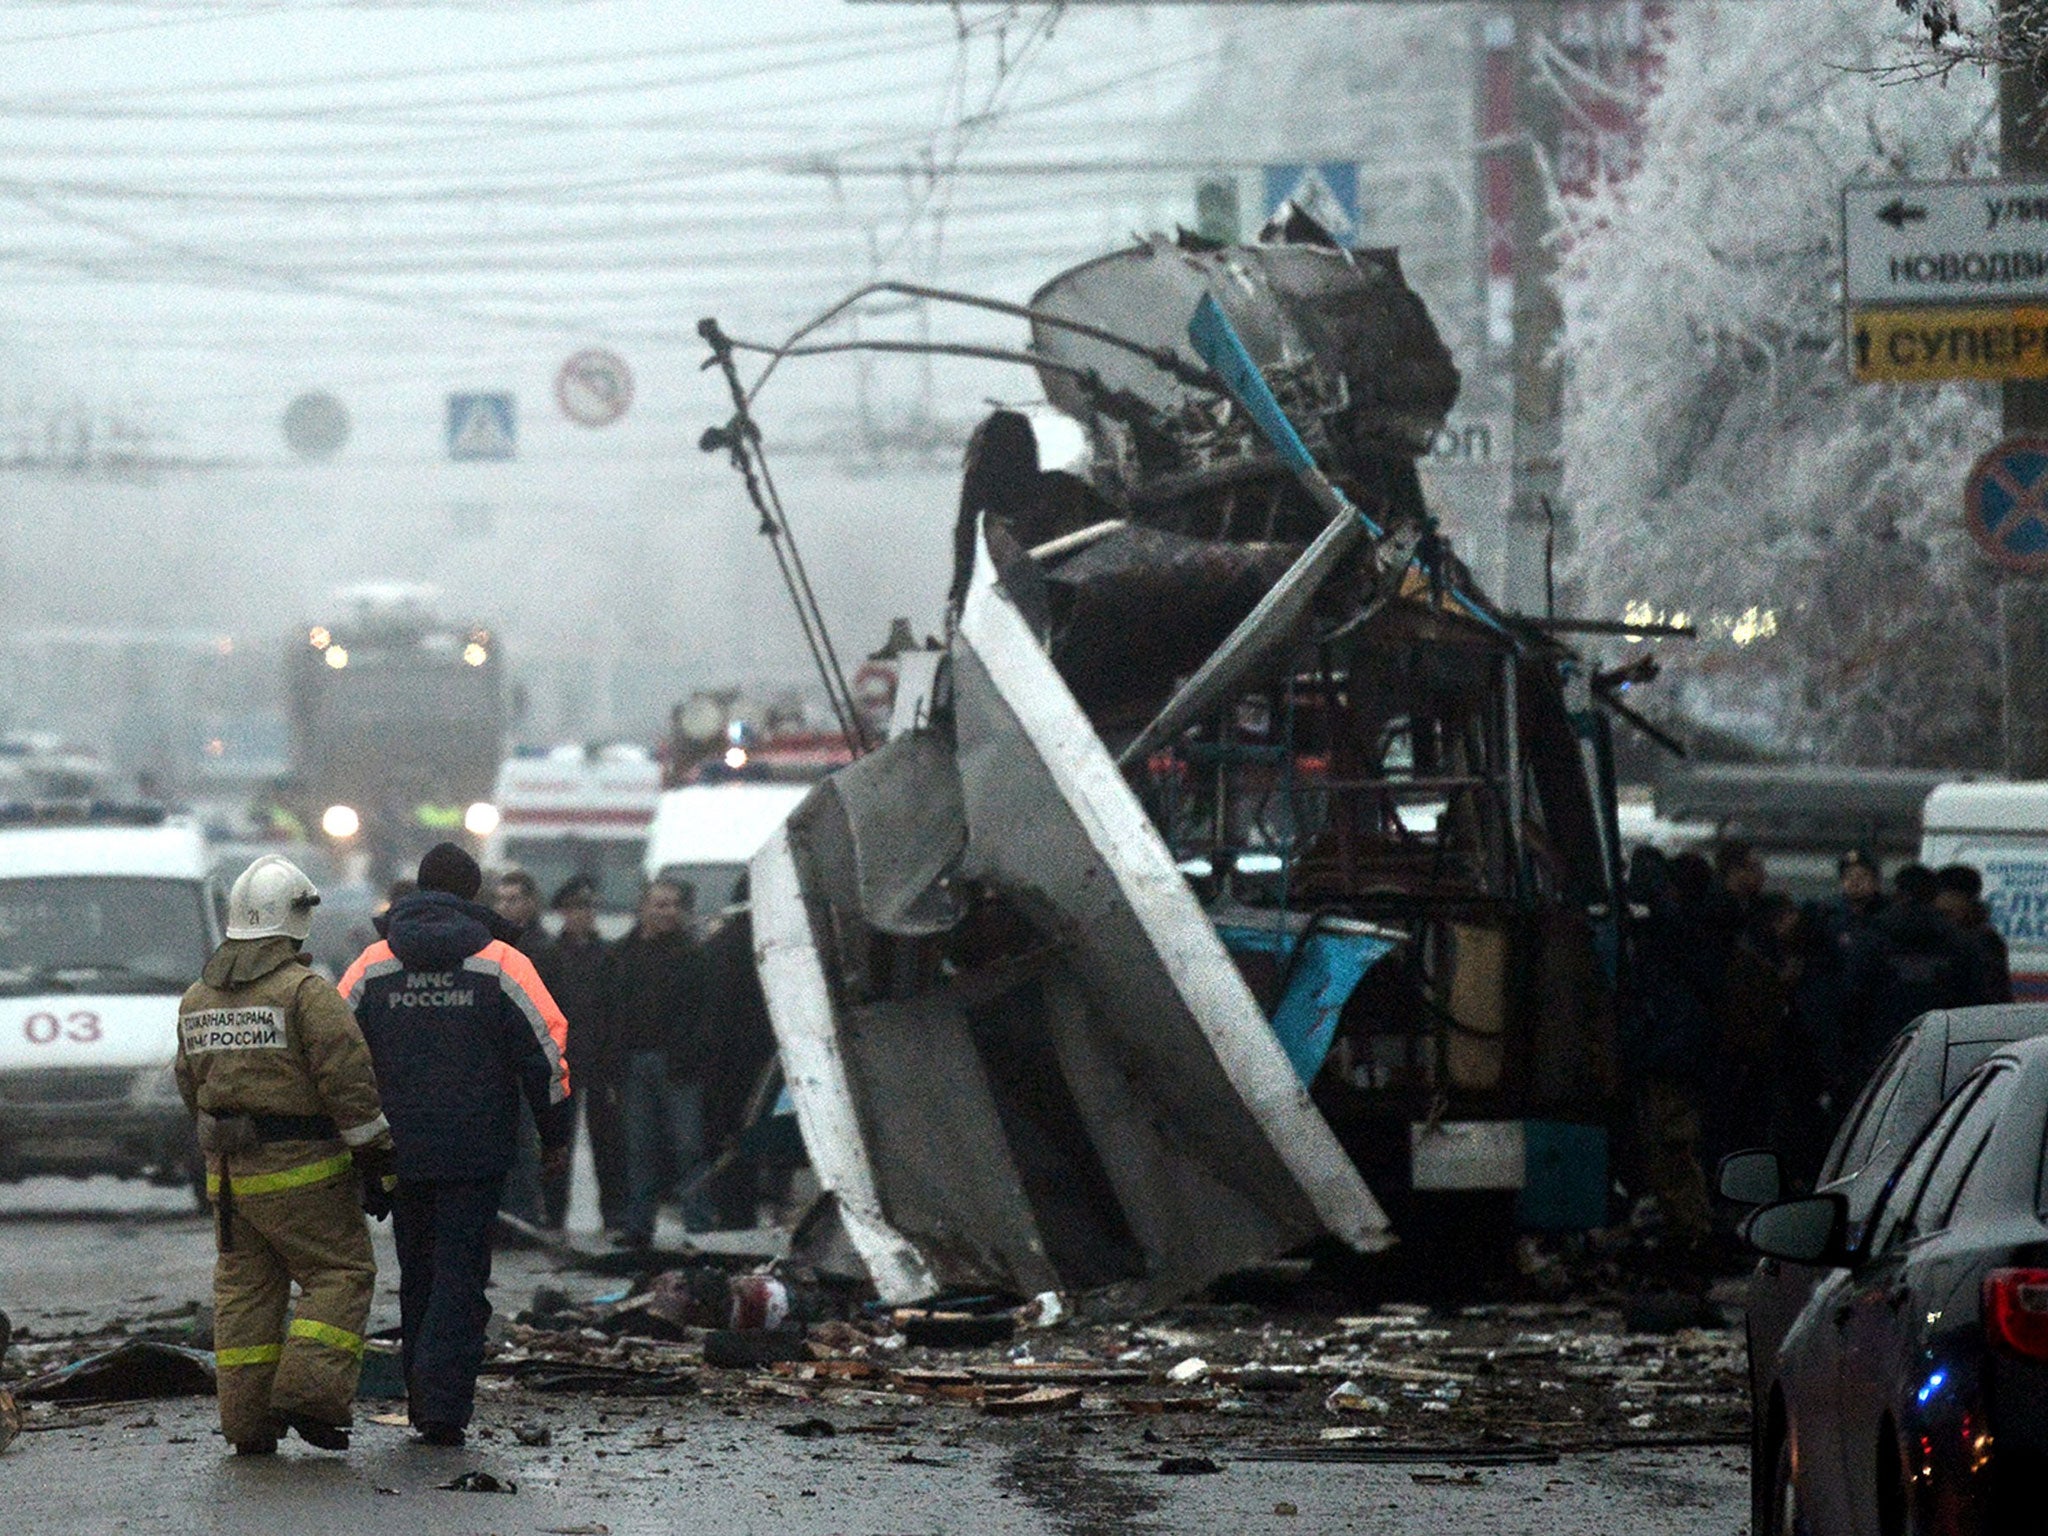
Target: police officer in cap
{"type": "Point", "coordinates": [271, 1063]}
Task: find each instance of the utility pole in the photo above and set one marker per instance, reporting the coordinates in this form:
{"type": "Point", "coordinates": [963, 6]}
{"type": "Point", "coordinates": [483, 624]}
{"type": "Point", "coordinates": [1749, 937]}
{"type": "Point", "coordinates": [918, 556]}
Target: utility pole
{"type": "Point", "coordinates": [1536, 471]}
{"type": "Point", "coordinates": [2023, 600]}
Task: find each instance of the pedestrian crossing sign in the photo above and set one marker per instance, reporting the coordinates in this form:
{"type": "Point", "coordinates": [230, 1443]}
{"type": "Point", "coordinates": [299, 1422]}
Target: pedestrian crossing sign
{"type": "Point", "coordinates": [482, 427]}
{"type": "Point", "coordinates": [1326, 192]}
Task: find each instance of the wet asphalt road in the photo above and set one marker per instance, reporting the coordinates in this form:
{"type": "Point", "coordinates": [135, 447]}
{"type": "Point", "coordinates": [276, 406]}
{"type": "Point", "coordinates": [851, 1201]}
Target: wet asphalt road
{"type": "Point", "coordinates": [70, 1253]}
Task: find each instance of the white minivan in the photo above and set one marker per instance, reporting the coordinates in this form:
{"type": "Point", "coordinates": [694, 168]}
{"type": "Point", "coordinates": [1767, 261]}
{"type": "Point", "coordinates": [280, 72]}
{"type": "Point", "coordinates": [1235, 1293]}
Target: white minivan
{"type": "Point", "coordinates": [107, 915]}
{"type": "Point", "coordinates": [706, 834]}
{"type": "Point", "coordinates": [2001, 830]}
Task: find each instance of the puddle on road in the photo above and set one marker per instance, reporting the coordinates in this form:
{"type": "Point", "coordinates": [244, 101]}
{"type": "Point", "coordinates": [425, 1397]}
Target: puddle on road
{"type": "Point", "coordinates": [1080, 1499]}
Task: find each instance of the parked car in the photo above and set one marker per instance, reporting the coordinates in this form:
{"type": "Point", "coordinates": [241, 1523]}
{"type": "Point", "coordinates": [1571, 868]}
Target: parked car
{"type": "Point", "coordinates": [1917, 1075]}
{"type": "Point", "coordinates": [106, 916]}
{"type": "Point", "coordinates": [1914, 1382]}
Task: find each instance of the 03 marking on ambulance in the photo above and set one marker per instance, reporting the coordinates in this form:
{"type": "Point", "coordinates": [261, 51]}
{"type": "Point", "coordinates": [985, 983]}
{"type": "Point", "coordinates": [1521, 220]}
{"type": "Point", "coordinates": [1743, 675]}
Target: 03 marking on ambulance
{"type": "Point", "coordinates": [233, 1029]}
{"type": "Point", "coordinates": [81, 1028]}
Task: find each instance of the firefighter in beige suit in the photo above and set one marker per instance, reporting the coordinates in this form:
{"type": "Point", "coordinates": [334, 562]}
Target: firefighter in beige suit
{"type": "Point", "coordinates": [271, 1062]}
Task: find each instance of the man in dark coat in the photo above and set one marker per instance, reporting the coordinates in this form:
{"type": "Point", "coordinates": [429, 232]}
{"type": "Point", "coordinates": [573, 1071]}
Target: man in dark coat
{"type": "Point", "coordinates": [654, 1034]}
{"type": "Point", "coordinates": [1961, 900]}
{"type": "Point", "coordinates": [572, 965]}
{"type": "Point", "coordinates": [1909, 961]}
{"type": "Point", "coordinates": [538, 1199]}
{"type": "Point", "coordinates": [740, 1045]}
{"type": "Point", "coordinates": [460, 1028]}
{"type": "Point", "coordinates": [1674, 979]}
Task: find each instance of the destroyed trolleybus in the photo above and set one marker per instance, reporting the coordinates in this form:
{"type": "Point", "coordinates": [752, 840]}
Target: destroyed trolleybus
{"type": "Point", "coordinates": [1251, 877]}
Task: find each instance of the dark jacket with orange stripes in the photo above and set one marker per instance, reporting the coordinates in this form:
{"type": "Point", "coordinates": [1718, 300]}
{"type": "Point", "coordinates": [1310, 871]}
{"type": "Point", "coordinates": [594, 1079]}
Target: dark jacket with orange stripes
{"type": "Point", "coordinates": [459, 1025]}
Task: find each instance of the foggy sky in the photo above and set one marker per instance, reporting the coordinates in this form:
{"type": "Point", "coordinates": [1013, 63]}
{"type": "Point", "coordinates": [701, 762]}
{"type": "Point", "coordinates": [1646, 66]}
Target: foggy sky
{"type": "Point", "coordinates": [210, 208]}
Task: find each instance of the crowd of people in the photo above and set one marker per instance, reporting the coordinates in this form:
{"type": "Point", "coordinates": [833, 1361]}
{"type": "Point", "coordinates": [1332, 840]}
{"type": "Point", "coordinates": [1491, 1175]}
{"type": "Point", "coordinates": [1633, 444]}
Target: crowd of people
{"type": "Point", "coordinates": [668, 1039]}
{"type": "Point", "coordinates": [1752, 1019]}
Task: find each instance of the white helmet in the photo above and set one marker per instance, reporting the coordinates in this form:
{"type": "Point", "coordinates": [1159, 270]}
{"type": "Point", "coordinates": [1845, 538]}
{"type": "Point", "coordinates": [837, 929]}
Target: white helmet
{"type": "Point", "coordinates": [271, 897]}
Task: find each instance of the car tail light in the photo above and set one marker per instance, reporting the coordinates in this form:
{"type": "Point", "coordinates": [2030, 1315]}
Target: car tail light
{"type": "Point", "coordinates": [2016, 1311]}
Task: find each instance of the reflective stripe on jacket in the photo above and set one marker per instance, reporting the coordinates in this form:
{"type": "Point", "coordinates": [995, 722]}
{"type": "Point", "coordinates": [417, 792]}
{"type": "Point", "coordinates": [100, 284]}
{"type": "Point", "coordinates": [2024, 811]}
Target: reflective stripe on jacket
{"type": "Point", "coordinates": [460, 1025]}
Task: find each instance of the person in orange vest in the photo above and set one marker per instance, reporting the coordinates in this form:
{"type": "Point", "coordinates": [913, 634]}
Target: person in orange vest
{"type": "Point", "coordinates": [461, 1028]}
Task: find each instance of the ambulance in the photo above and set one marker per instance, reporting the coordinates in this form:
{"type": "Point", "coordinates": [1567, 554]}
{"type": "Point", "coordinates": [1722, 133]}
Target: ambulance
{"type": "Point", "coordinates": [107, 914]}
{"type": "Point", "coordinates": [577, 810]}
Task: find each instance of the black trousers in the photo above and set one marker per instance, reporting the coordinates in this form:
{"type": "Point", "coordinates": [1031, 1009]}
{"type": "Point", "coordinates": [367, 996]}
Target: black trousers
{"type": "Point", "coordinates": [443, 1232]}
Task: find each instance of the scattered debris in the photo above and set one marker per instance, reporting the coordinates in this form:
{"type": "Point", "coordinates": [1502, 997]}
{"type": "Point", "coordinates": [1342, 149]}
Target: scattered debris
{"type": "Point", "coordinates": [1286, 1508]}
{"type": "Point", "coordinates": [811, 1429]}
{"type": "Point", "coordinates": [533, 1434]}
{"type": "Point", "coordinates": [1036, 1400]}
{"type": "Point", "coordinates": [1047, 1309]}
{"type": "Point", "coordinates": [383, 1374]}
{"type": "Point", "coordinates": [10, 1420]}
{"type": "Point", "coordinates": [1187, 1466]}
{"type": "Point", "coordinates": [1194, 1368]}
{"type": "Point", "coordinates": [1670, 1312]}
{"type": "Point", "coordinates": [478, 1482]}
{"type": "Point", "coordinates": [129, 1372]}
{"type": "Point", "coordinates": [1349, 1397]}
{"type": "Point", "coordinates": [731, 1350]}
{"type": "Point", "coordinates": [956, 1330]}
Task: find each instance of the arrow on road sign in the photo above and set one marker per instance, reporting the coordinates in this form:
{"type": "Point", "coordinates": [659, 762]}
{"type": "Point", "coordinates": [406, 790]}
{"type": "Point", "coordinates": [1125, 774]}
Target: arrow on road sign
{"type": "Point", "coordinates": [1899, 213]}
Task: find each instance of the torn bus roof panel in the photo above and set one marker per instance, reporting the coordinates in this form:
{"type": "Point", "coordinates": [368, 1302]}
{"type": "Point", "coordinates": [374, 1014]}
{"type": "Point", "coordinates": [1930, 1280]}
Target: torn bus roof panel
{"type": "Point", "coordinates": [1350, 345]}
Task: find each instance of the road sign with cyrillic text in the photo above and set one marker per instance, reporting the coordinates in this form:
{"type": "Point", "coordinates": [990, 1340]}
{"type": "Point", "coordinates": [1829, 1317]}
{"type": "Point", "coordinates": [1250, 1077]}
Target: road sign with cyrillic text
{"type": "Point", "coordinates": [1935, 345]}
{"type": "Point", "coordinates": [1945, 242]}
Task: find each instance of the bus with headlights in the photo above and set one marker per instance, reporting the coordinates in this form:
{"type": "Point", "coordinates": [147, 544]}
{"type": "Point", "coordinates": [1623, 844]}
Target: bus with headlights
{"type": "Point", "coordinates": [397, 727]}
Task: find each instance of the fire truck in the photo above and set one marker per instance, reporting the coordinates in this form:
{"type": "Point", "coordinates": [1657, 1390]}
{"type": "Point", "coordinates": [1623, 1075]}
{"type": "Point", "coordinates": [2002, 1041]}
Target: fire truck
{"type": "Point", "coordinates": [397, 725]}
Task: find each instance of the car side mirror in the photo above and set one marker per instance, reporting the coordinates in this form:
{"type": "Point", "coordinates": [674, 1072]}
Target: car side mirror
{"type": "Point", "coordinates": [1812, 1230]}
{"type": "Point", "coordinates": [1751, 1178]}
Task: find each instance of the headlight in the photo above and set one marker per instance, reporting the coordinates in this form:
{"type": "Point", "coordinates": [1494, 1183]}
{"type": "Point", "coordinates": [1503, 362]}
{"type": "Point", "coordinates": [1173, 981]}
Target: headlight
{"type": "Point", "coordinates": [340, 822]}
{"type": "Point", "coordinates": [481, 819]}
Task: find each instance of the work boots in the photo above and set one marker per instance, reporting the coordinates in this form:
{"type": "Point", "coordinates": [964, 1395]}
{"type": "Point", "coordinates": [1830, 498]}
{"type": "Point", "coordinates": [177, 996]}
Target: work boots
{"type": "Point", "coordinates": [317, 1433]}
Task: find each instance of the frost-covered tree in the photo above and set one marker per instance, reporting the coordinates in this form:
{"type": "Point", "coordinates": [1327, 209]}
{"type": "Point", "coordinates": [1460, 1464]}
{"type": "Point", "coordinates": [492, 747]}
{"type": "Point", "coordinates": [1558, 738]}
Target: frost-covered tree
{"type": "Point", "coordinates": [1719, 460]}
{"type": "Point", "coordinates": [1948, 33]}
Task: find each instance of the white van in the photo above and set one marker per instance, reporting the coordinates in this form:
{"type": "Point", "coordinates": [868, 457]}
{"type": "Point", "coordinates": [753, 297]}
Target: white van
{"type": "Point", "coordinates": [107, 915]}
{"type": "Point", "coordinates": [2002, 830]}
{"type": "Point", "coordinates": [707, 833]}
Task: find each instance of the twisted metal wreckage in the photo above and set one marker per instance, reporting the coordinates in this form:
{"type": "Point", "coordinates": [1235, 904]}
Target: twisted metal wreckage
{"type": "Point", "coordinates": [1234, 851]}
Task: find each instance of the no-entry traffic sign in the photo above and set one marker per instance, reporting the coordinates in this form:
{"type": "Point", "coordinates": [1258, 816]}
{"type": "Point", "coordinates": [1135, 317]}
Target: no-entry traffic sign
{"type": "Point", "coordinates": [594, 387]}
{"type": "Point", "coordinates": [2005, 504]}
